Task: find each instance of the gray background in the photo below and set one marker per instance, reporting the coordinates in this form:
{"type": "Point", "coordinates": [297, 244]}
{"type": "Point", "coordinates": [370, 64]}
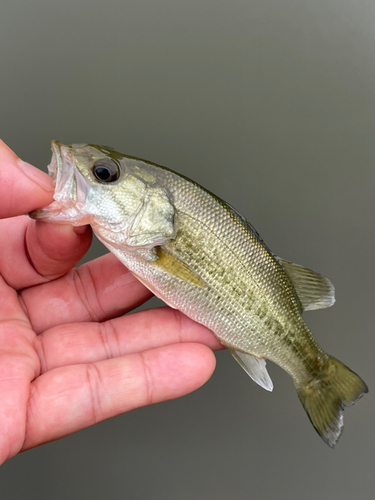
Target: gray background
{"type": "Point", "coordinates": [271, 105]}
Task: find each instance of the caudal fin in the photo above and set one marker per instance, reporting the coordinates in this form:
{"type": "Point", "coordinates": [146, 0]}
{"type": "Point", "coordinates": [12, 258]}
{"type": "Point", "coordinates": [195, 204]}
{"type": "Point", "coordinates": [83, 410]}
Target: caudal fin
{"type": "Point", "coordinates": [324, 399]}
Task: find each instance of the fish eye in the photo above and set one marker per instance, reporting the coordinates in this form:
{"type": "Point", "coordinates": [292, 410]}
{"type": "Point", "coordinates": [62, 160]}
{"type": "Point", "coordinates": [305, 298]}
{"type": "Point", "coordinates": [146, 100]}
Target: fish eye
{"type": "Point", "coordinates": [106, 170]}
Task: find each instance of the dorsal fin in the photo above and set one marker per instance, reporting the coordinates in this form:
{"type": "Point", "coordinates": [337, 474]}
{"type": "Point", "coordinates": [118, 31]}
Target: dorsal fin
{"type": "Point", "coordinates": [314, 290]}
{"type": "Point", "coordinates": [254, 367]}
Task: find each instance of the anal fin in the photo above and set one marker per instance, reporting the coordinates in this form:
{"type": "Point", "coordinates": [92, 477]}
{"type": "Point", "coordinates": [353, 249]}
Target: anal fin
{"type": "Point", "coordinates": [254, 367]}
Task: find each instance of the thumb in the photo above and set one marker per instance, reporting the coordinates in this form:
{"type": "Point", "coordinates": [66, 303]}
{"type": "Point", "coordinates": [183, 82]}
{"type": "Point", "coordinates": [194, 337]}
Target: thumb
{"type": "Point", "coordinates": [23, 188]}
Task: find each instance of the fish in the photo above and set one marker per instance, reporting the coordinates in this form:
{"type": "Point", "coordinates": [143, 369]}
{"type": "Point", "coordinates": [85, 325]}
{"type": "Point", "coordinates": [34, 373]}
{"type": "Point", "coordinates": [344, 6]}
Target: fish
{"type": "Point", "coordinates": [200, 256]}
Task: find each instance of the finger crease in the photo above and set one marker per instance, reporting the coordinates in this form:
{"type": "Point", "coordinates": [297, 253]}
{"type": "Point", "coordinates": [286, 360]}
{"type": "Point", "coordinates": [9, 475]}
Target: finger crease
{"type": "Point", "coordinates": [39, 348]}
{"type": "Point", "coordinates": [96, 389]}
{"type": "Point", "coordinates": [82, 295]}
{"type": "Point", "coordinates": [109, 339]}
{"type": "Point", "coordinates": [97, 295]}
{"type": "Point", "coordinates": [30, 411]}
{"type": "Point", "coordinates": [178, 318]}
{"type": "Point", "coordinates": [147, 379]}
{"type": "Point", "coordinates": [24, 306]}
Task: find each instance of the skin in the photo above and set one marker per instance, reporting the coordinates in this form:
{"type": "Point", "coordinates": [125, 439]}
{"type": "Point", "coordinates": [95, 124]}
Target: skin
{"type": "Point", "coordinates": [67, 360]}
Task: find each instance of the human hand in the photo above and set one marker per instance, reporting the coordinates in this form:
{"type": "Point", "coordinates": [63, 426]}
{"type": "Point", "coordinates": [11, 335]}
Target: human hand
{"type": "Point", "coordinates": [67, 360]}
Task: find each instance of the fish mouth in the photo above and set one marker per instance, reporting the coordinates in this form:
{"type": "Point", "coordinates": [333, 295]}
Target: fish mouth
{"type": "Point", "coordinates": [71, 189]}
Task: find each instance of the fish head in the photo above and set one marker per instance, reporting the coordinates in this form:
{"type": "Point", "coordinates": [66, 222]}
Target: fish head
{"type": "Point", "coordinates": [96, 185]}
{"type": "Point", "coordinates": [90, 187]}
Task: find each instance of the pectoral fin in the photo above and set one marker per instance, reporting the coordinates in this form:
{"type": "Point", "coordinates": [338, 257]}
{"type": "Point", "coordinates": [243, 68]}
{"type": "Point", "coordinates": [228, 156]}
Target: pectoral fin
{"type": "Point", "coordinates": [314, 290]}
{"type": "Point", "coordinates": [175, 267]}
{"type": "Point", "coordinates": [254, 367]}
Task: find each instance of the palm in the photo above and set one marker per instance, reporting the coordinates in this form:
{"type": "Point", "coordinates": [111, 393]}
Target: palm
{"type": "Point", "coordinates": [67, 357]}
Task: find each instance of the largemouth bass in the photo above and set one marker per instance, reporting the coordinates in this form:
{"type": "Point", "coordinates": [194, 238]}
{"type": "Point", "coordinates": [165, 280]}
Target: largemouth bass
{"type": "Point", "coordinates": [200, 256]}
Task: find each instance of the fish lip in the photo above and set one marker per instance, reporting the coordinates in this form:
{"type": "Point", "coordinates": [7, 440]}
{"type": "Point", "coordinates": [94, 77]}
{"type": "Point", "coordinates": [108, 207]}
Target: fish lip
{"type": "Point", "coordinates": [62, 167]}
{"type": "Point", "coordinates": [55, 166]}
{"type": "Point", "coordinates": [71, 189]}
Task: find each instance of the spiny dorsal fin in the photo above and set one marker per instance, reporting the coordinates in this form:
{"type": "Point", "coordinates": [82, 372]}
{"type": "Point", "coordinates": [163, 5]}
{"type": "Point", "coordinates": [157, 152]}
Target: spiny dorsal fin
{"type": "Point", "coordinates": [175, 267]}
{"type": "Point", "coordinates": [314, 290]}
{"type": "Point", "coordinates": [254, 367]}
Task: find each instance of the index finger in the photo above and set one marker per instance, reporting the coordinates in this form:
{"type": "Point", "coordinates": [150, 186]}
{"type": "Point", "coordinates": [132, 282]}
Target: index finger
{"type": "Point", "coordinates": [23, 188]}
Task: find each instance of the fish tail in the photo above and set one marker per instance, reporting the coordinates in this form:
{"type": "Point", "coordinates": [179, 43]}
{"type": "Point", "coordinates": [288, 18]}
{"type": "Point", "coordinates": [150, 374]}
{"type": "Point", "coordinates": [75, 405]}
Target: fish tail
{"type": "Point", "coordinates": [325, 397]}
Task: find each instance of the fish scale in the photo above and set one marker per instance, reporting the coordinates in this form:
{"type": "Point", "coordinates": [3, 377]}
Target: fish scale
{"type": "Point", "coordinates": [232, 242]}
{"type": "Point", "coordinates": [200, 256]}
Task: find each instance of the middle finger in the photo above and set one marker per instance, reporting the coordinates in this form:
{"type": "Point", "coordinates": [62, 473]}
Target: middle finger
{"type": "Point", "coordinates": [91, 342]}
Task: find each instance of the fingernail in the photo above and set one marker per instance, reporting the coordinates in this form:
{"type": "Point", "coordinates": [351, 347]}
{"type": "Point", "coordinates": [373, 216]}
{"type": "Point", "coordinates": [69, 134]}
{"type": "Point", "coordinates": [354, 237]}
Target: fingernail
{"type": "Point", "coordinates": [36, 175]}
{"type": "Point", "coordinates": [80, 229]}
